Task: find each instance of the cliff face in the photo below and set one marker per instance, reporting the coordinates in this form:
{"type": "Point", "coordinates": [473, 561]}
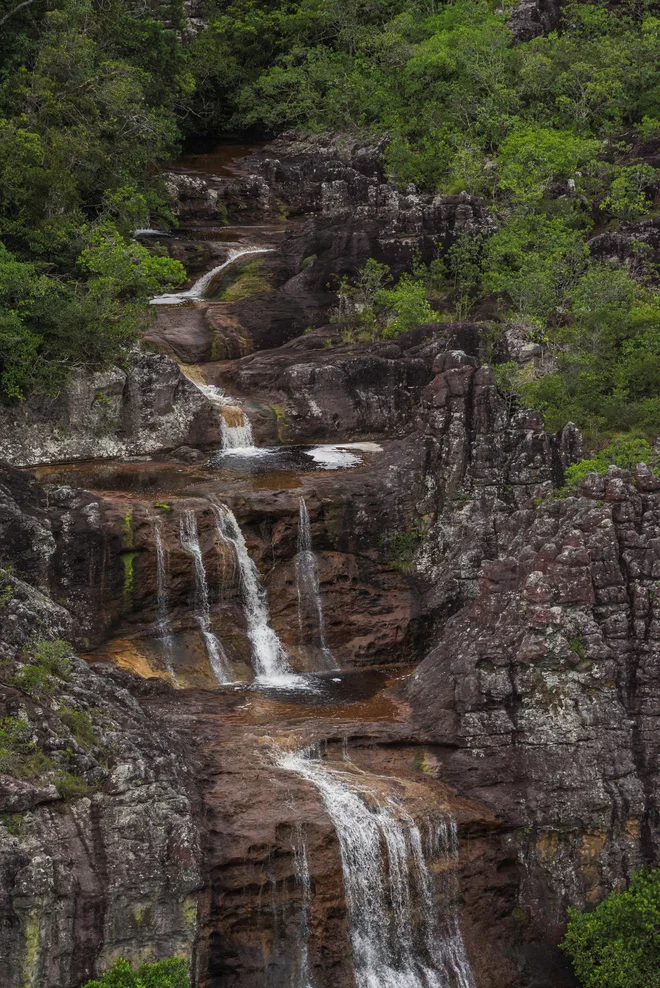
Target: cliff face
{"type": "Point", "coordinates": [494, 644]}
{"type": "Point", "coordinates": [99, 852]}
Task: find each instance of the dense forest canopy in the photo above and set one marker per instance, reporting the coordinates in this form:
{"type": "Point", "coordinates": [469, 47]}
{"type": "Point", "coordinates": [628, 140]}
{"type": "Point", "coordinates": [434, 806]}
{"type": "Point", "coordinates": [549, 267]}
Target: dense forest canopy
{"type": "Point", "coordinates": [559, 135]}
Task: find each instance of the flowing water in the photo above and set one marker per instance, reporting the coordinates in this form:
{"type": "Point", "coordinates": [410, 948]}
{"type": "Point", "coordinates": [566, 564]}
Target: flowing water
{"type": "Point", "coordinates": [236, 429]}
{"type": "Point", "coordinates": [234, 424]}
{"type": "Point", "coordinates": [301, 977]}
{"type": "Point", "coordinates": [310, 606]}
{"type": "Point", "coordinates": [198, 290]}
{"type": "Point", "coordinates": [269, 658]}
{"type": "Point", "coordinates": [398, 938]}
{"type": "Point", "coordinates": [189, 536]}
{"type": "Point", "coordinates": [164, 625]}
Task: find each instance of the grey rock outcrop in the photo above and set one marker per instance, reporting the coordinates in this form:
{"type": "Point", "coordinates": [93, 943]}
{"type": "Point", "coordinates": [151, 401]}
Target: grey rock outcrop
{"type": "Point", "coordinates": [145, 408]}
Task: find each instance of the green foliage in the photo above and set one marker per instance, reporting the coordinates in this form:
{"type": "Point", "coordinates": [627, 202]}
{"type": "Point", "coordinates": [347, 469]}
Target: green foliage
{"type": "Point", "coordinates": [170, 973]}
{"type": "Point", "coordinates": [80, 724]}
{"type": "Point", "coordinates": [48, 664]}
{"type": "Point", "coordinates": [618, 944]}
{"type": "Point", "coordinates": [372, 307]}
{"type": "Point", "coordinates": [625, 453]}
{"type": "Point", "coordinates": [87, 105]}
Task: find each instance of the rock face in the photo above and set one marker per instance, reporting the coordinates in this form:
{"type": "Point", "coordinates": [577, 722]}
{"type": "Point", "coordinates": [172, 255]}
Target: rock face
{"type": "Point", "coordinates": [537, 699]}
{"type": "Point", "coordinates": [112, 869]}
{"type": "Point", "coordinates": [149, 407]}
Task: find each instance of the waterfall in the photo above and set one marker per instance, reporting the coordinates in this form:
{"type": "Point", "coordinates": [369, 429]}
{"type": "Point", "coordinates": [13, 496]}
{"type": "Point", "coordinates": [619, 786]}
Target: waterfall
{"type": "Point", "coordinates": [268, 655]}
{"type": "Point", "coordinates": [302, 976]}
{"type": "Point", "coordinates": [236, 428]}
{"type": "Point", "coordinates": [198, 290]}
{"type": "Point", "coordinates": [398, 940]}
{"type": "Point", "coordinates": [164, 624]}
{"type": "Point", "coordinates": [309, 591]}
{"type": "Point", "coordinates": [189, 536]}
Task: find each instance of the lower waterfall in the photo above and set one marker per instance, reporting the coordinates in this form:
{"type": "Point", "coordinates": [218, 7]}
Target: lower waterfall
{"type": "Point", "coordinates": [268, 655]}
{"type": "Point", "coordinates": [398, 939]}
{"type": "Point", "coordinates": [309, 591]}
{"type": "Point", "coordinates": [189, 535]}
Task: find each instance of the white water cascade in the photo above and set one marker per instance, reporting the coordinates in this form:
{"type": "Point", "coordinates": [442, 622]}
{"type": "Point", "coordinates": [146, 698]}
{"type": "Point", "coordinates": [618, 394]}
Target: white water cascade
{"type": "Point", "coordinates": [236, 428]}
{"type": "Point", "coordinates": [309, 591]}
{"type": "Point", "coordinates": [268, 655]}
{"type": "Point", "coordinates": [164, 624]}
{"type": "Point", "coordinates": [189, 536]}
{"type": "Point", "coordinates": [198, 290]}
{"type": "Point", "coordinates": [398, 939]}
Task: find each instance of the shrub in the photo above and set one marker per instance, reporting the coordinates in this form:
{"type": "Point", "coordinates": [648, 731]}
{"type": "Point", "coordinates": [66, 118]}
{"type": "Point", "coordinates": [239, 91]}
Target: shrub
{"type": "Point", "coordinates": [80, 725]}
{"type": "Point", "coordinates": [618, 944]}
{"type": "Point", "coordinates": [624, 453]}
{"type": "Point", "coordinates": [49, 662]}
{"type": "Point", "coordinates": [171, 973]}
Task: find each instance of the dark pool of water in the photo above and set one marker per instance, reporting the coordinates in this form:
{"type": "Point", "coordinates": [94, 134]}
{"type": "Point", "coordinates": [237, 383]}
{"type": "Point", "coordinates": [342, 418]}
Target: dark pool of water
{"type": "Point", "coordinates": [323, 689]}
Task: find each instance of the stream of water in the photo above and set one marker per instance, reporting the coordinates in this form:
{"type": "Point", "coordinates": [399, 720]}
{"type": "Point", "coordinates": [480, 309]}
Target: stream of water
{"type": "Point", "coordinates": [309, 591]}
{"type": "Point", "coordinates": [198, 290]}
{"type": "Point", "coordinates": [162, 602]}
{"type": "Point", "coordinates": [189, 535]}
{"type": "Point", "coordinates": [398, 938]}
{"type": "Point", "coordinates": [269, 658]}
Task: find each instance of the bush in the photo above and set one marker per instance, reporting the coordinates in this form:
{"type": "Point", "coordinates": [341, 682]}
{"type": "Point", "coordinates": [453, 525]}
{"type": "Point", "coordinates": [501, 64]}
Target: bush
{"type": "Point", "coordinates": [618, 944]}
{"type": "Point", "coordinates": [624, 453]}
{"type": "Point", "coordinates": [49, 661]}
{"type": "Point", "coordinates": [171, 973]}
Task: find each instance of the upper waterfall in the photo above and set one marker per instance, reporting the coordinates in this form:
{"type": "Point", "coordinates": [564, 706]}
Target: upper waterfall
{"type": "Point", "coordinates": [198, 290]}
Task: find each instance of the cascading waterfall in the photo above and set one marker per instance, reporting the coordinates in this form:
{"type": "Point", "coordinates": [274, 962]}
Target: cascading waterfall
{"type": "Point", "coordinates": [268, 654]}
{"type": "Point", "coordinates": [309, 591]}
{"type": "Point", "coordinates": [236, 428]}
{"type": "Point", "coordinates": [398, 940]}
{"type": "Point", "coordinates": [189, 536]}
{"type": "Point", "coordinates": [198, 290]}
{"type": "Point", "coordinates": [164, 624]}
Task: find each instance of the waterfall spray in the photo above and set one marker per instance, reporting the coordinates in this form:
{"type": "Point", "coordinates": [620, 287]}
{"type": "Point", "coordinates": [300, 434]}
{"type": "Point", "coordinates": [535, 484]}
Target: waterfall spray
{"type": "Point", "coordinates": [164, 625]}
{"type": "Point", "coordinates": [268, 654]}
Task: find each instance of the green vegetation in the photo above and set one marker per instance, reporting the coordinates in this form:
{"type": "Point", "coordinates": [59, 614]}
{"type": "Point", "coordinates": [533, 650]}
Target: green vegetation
{"type": "Point", "coordinates": [399, 549]}
{"type": "Point", "coordinates": [87, 95]}
{"type": "Point", "coordinates": [171, 973]}
{"type": "Point", "coordinates": [549, 131]}
{"type": "Point", "coordinates": [48, 663]}
{"type": "Point", "coordinates": [618, 944]}
{"type": "Point", "coordinates": [244, 282]}
{"type": "Point", "coordinates": [625, 453]}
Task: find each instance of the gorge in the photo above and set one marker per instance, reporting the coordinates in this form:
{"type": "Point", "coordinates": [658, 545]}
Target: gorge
{"type": "Point", "coordinates": [372, 704]}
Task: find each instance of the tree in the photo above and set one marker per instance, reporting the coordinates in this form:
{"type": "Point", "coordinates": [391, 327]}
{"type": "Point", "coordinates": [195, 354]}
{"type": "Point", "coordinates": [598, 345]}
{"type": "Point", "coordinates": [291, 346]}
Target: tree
{"type": "Point", "coordinates": [618, 944]}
